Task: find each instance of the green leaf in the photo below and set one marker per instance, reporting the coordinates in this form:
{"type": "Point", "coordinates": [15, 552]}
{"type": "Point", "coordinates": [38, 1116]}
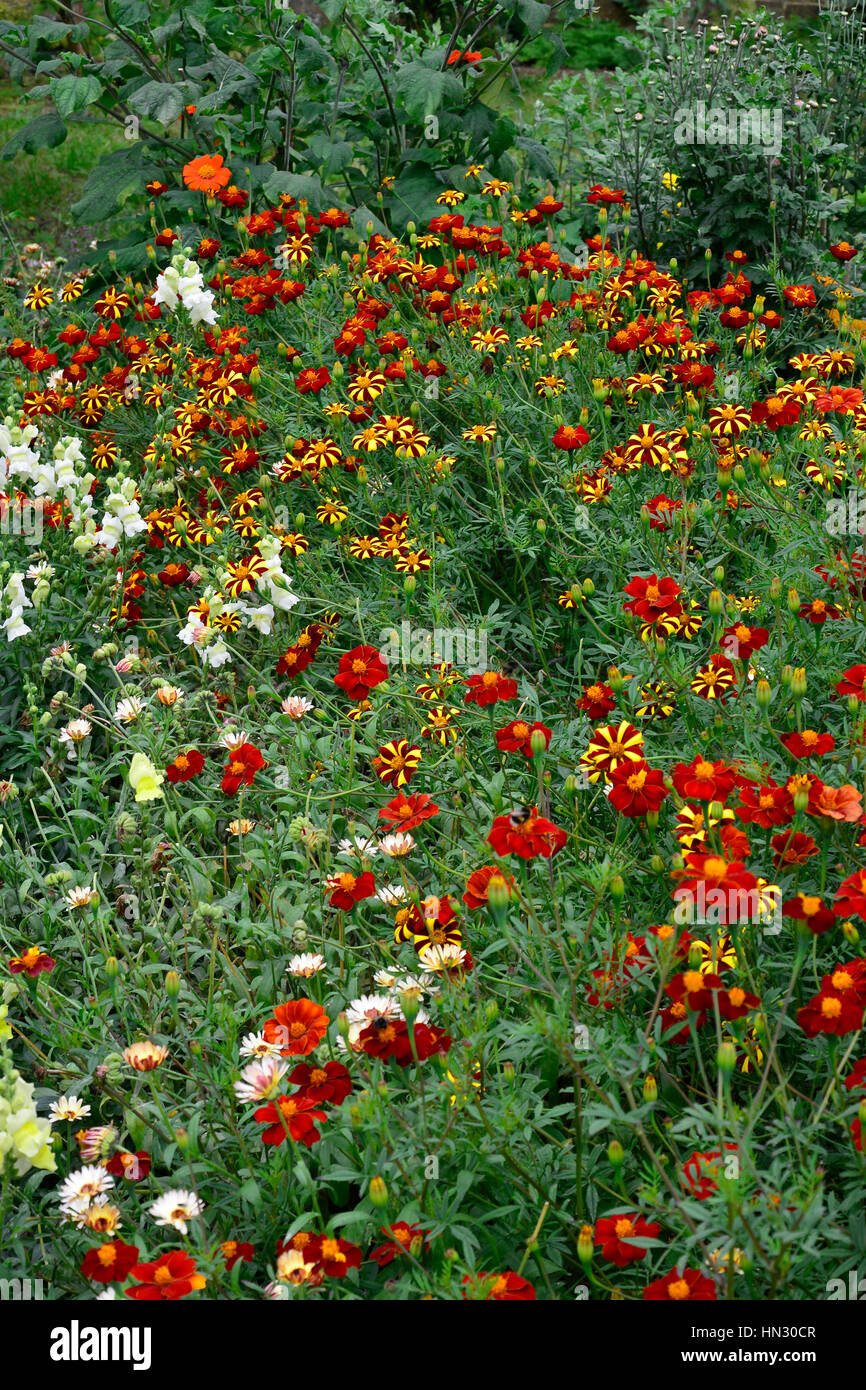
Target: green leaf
{"type": "Point", "coordinates": [423, 89]}
{"type": "Point", "coordinates": [297, 186]}
{"type": "Point", "coordinates": [161, 101]}
{"type": "Point", "coordinates": [74, 93]}
{"type": "Point", "coordinates": [114, 179]}
{"type": "Point", "coordinates": [534, 16]}
{"type": "Point", "coordinates": [45, 132]}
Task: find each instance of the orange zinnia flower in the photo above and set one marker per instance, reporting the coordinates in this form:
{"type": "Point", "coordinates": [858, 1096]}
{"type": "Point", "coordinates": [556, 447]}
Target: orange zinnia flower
{"type": "Point", "coordinates": [206, 174]}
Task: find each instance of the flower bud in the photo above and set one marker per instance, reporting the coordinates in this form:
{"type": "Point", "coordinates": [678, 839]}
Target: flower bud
{"type": "Point", "coordinates": [716, 602]}
{"type": "Point", "coordinates": [112, 968]}
{"type": "Point", "coordinates": [798, 682]}
{"type": "Point", "coordinates": [172, 984]}
{"type": "Point", "coordinates": [615, 1153]}
{"type": "Point", "coordinates": [650, 1090]}
{"type": "Point", "coordinates": [617, 887]}
{"type": "Point", "coordinates": [585, 1245]}
{"type": "Point", "coordinates": [378, 1192]}
{"type": "Point", "coordinates": [763, 694]}
{"type": "Point", "coordinates": [793, 600]}
{"type": "Point", "coordinates": [537, 743]}
{"type": "Point", "coordinates": [726, 1058]}
{"type": "Point", "coordinates": [850, 933]}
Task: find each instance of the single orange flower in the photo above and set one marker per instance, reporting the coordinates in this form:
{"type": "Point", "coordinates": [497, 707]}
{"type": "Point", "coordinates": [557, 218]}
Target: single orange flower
{"type": "Point", "coordinates": [206, 174]}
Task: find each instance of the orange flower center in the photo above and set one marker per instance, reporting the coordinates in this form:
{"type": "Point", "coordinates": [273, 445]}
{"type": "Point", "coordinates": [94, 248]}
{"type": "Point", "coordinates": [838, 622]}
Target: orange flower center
{"type": "Point", "coordinates": [678, 1290]}
{"type": "Point", "coordinates": [693, 981]}
{"type": "Point", "coordinates": [704, 771]}
{"type": "Point", "coordinates": [831, 1008]}
{"type": "Point", "coordinates": [624, 1227]}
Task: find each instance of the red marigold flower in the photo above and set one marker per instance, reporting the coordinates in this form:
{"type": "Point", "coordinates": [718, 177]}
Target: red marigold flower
{"type": "Point", "coordinates": [688, 1285]}
{"type": "Point", "coordinates": [245, 762]}
{"type": "Point", "coordinates": [809, 744]}
{"type": "Point", "coordinates": [516, 737]}
{"type": "Point", "coordinates": [652, 598]}
{"type": "Point", "coordinates": [479, 882]}
{"type": "Point", "coordinates": [32, 963]}
{"type": "Point", "coordinates": [389, 1037]}
{"type": "Point", "coordinates": [740, 641]}
{"type": "Point", "coordinates": [185, 766]}
{"type": "Point", "coordinates": [702, 1170]}
{"type": "Point", "coordinates": [407, 812]}
{"type": "Point", "coordinates": [811, 910]}
{"type": "Point", "coordinates": [856, 1078]}
{"type": "Point", "coordinates": [792, 847]}
{"type": "Point", "coordinates": [801, 296]}
{"type": "Point", "coordinates": [850, 897]}
{"type": "Point", "coordinates": [347, 889]}
{"type": "Point", "coordinates": [600, 193]}
{"type": "Point", "coordinates": [853, 682]}
{"type": "Point", "coordinates": [171, 1276]}
{"type": "Point", "coordinates": [290, 1117]}
{"type": "Point", "coordinates": [312, 379]}
{"type": "Point", "coordinates": [775, 412]}
{"type": "Point", "coordinates": [359, 671]}
{"type": "Point", "coordinates": [132, 1166]}
{"type": "Point", "coordinates": [570, 437]}
{"type": "Point", "coordinates": [832, 1011]}
{"type": "Point", "coordinates": [695, 989]}
{"type": "Point", "coordinates": [724, 885]}
{"type": "Point", "coordinates": [297, 1026]}
{"type": "Point", "coordinates": [735, 1003]}
{"type": "Point", "coordinates": [843, 250]}
{"type": "Point", "coordinates": [333, 1257]}
{"type": "Point", "coordinates": [765, 805]}
{"type": "Point", "coordinates": [702, 780]}
{"type": "Point", "coordinates": [597, 700]}
{"type": "Point", "coordinates": [110, 1262]}
{"type": "Point", "coordinates": [329, 1084]}
{"type": "Point", "coordinates": [615, 1235]}
{"type": "Point", "coordinates": [486, 689]}
{"type": "Point", "coordinates": [526, 834]}
{"type": "Point", "coordinates": [636, 788]}
{"type": "Point", "coordinates": [401, 1238]}
{"type": "Point", "coordinates": [234, 1250]}
{"type": "Point", "coordinates": [500, 1288]}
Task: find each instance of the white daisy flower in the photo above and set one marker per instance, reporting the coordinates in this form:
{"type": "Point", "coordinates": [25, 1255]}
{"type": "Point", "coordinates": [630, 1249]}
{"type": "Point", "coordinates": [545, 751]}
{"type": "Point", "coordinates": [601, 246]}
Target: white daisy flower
{"type": "Point", "coordinates": [296, 706]}
{"type": "Point", "coordinates": [67, 1108]}
{"type": "Point", "coordinates": [254, 1045]}
{"type": "Point", "coordinates": [305, 965]}
{"type": "Point", "coordinates": [176, 1208]}
{"type": "Point", "coordinates": [395, 846]}
{"type": "Point", "coordinates": [79, 1189]}
{"type": "Point", "coordinates": [128, 710]}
